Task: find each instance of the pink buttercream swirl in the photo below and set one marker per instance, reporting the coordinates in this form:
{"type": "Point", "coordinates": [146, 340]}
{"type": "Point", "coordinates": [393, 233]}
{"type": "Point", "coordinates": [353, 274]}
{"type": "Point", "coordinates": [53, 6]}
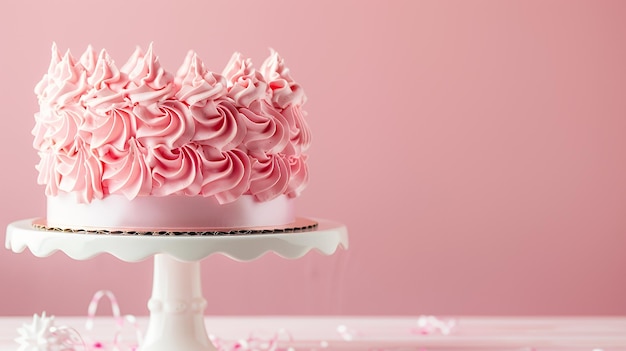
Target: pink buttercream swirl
{"type": "Point", "coordinates": [196, 84]}
{"type": "Point", "coordinates": [227, 174]}
{"type": "Point", "coordinates": [80, 172]}
{"type": "Point", "coordinates": [299, 175]}
{"type": "Point", "coordinates": [270, 176]}
{"type": "Point", "coordinates": [170, 124]}
{"type": "Point", "coordinates": [218, 124]}
{"type": "Point", "coordinates": [245, 84]}
{"type": "Point", "coordinates": [140, 130]}
{"type": "Point", "coordinates": [107, 83]}
{"type": "Point", "coordinates": [148, 81]}
{"type": "Point", "coordinates": [56, 129]}
{"type": "Point", "coordinates": [89, 60]}
{"type": "Point", "coordinates": [299, 132]}
{"type": "Point", "coordinates": [43, 84]}
{"type": "Point", "coordinates": [64, 85]}
{"type": "Point", "coordinates": [126, 171]}
{"type": "Point", "coordinates": [176, 171]}
{"type": "Point", "coordinates": [267, 129]}
{"type": "Point", "coordinates": [112, 129]}
{"type": "Point", "coordinates": [285, 91]}
{"type": "Point", "coordinates": [48, 174]}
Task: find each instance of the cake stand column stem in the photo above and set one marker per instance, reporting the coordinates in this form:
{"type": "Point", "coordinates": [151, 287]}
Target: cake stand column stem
{"type": "Point", "coordinates": [176, 308]}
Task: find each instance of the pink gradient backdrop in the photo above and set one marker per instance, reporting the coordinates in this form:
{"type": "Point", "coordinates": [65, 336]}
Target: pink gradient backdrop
{"type": "Point", "coordinates": [475, 149]}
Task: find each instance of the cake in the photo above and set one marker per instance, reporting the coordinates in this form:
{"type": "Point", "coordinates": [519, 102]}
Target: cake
{"type": "Point", "coordinates": [139, 149]}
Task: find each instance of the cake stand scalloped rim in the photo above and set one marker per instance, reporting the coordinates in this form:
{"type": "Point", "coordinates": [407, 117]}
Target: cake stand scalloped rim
{"type": "Point", "coordinates": [326, 238]}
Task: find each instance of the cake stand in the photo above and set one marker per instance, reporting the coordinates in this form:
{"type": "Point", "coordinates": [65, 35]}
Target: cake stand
{"type": "Point", "coordinates": [177, 304]}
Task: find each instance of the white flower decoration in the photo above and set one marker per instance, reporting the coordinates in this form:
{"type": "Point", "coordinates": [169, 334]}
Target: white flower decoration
{"type": "Point", "coordinates": [36, 336]}
{"type": "Point", "coordinates": [43, 335]}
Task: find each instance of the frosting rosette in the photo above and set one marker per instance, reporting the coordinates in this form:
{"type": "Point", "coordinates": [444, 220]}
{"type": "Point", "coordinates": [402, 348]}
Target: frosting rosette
{"type": "Point", "coordinates": [106, 82]}
{"type": "Point", "coordinates": [196, 84]}
{"type": "Point", "coordinates": [270, 176]}
{"type": "Point", "coordinates": [43, 84]}
{"type": "Point", "coordinates": [56, 129]}
{"type": "Point", "coordinates": [267, 129]}
{"type": "Point", "coordinates": [80, 172]}
{"type": "Point", "coordinates": [139, 130]}
{"type": "Point", "coordinates": [175, 171]}
{"type": "Point", "coordinates": [299, 132]}
{"type": "Point", "coordinates": [168, 123]}
{"type": "Point", "coordinates": [285, 91]}
{"type": "Point", "coordinates": [89, 59]}
{"type": "Point", "coordinates": [218, 124]}
{"type": "Point", "coordinates": [126, 171]}
{"type": "Point", "coordinates": [109, 130]}
{"type": "Point", "coordinates": [65, 82]}
{"type": "Point", "coordinates": [299, 175]}
{"type": "Point", "coordinates": [148, 81]}
{"type": "Point", "coordinates": [48, 174]}
{"type": "Point", "coordinates": [227, 174]}
{"type": "Point", "coordinates": [245, 84]}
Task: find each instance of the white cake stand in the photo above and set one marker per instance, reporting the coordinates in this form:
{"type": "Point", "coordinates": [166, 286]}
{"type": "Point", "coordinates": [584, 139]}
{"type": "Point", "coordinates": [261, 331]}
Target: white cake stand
{"type": "Point", "coordinates": [176, 305]}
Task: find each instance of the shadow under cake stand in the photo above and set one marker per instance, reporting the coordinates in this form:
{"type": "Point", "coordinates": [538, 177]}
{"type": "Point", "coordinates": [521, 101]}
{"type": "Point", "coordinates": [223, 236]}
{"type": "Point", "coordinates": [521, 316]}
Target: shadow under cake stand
{"type": "Point", "coordinates": [176, 305]}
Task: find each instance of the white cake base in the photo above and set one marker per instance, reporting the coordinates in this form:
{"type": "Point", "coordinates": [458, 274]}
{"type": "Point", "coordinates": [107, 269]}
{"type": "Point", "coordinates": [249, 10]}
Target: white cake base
{"type": "Point", "coordinates": [174, 212]}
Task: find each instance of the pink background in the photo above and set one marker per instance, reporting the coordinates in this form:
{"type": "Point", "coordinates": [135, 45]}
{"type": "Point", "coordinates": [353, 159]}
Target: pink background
{"type": "Point", "coordinates": [475, 149]}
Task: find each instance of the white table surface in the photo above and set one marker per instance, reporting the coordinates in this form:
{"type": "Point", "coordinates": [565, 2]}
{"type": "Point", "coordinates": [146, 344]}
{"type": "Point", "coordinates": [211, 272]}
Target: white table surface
{"type": "Point", "coordinates": [383, 333]}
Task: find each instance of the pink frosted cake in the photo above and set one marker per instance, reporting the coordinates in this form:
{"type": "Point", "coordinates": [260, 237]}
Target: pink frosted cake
{"type": "Point", "coordinates": [138, 148]}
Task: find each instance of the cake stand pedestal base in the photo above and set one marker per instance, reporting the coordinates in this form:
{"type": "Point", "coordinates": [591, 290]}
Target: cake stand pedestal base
{"type": "Point", "coordinates": [176, 308]}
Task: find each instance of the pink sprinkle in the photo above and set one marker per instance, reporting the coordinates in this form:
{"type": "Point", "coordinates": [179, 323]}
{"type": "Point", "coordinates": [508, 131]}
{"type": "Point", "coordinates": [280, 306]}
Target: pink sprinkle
{"type": "Point", "coordinates": [97, 345]}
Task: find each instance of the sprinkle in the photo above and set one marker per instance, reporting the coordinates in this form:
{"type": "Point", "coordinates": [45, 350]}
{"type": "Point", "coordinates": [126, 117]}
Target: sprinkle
{"type": "Point", "coordinates": [428, 325]}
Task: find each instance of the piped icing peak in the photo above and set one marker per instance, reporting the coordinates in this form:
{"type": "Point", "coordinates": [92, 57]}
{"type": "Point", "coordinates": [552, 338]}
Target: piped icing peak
{"type": "Point", "coordinates": [139, 130]}
{"type": "Point", "coordinates": [197, 84]}
{"type": "Point", "coordinates": [89, 59]}
{"type": "Point", "coordinates": [285, 91]}
{"type": "Point", "coordinates": [245, 84]}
